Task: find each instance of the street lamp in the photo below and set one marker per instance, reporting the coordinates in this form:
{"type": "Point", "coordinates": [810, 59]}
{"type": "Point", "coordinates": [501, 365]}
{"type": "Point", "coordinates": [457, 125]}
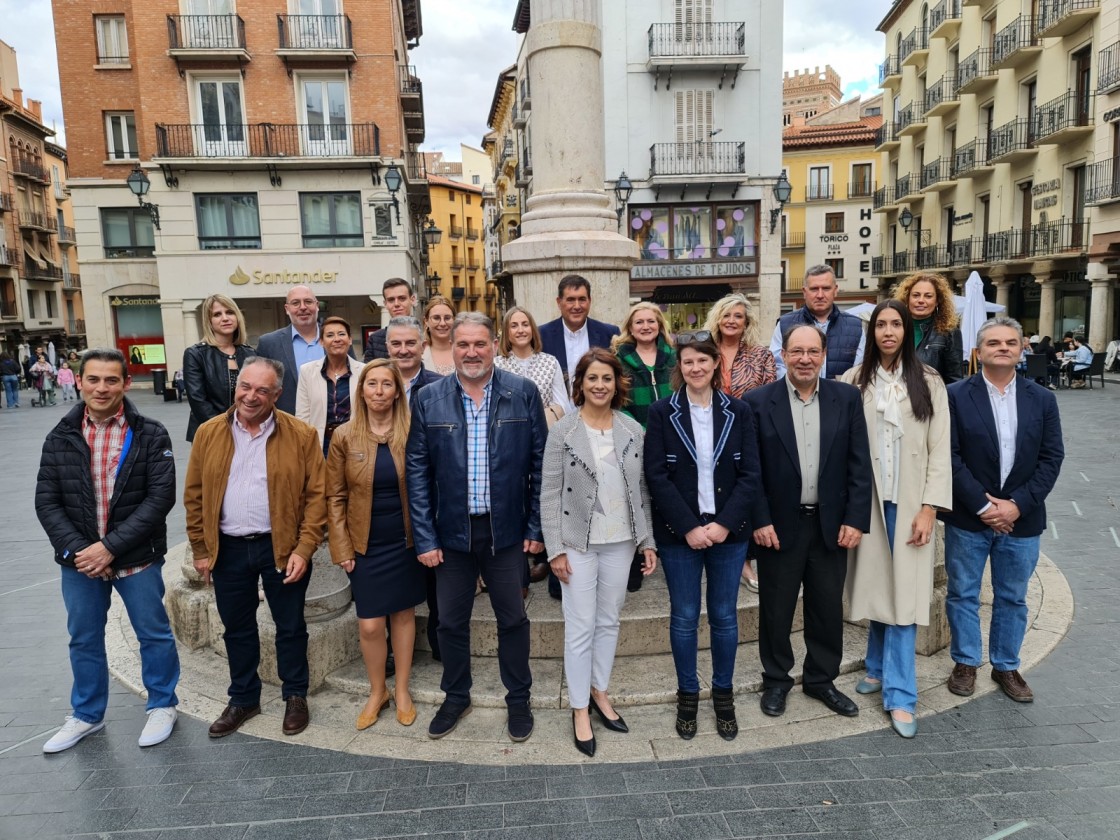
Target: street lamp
{"type": "Point", "coordinates": [433, 281]}
{"type": "Point", "coordinates": [139, 184]}
{"type": "Point", "coordinates": [431, 234]}
{"type": "Point", "coordinates": [622, 191]}
{"type": "Point", "coordinates": [906, 218]}
{"type": "Point", "coordinates": [782, 193]}
{"type": "Point", "coordinates": [393, 182]}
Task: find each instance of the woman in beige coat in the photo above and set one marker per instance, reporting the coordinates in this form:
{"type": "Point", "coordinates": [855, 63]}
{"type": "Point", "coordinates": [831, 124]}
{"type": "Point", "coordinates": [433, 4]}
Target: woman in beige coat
{"type": "Point", "coordinates": [890, 574]}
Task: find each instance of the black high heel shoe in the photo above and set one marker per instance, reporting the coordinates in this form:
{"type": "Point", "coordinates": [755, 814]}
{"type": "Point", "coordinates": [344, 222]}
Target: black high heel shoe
{"type": "Point", "coordinates": [585, 747]}
{"type": "Point", "coordinates": [614, 725]}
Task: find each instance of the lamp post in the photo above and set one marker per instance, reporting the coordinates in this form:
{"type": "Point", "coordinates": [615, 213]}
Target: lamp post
{"type": "Point", "coordinates": [139, 184]}
{"type": "Point", "coordinates": [433, 281]}
{"type": "Point", "coordinates": [622, 191]}
{"type": "Point", "coordinates": [393, 182]}
{"type": "Point", "coordinates": [432, 234]}
{"type": "Point", "coordinates": [782, 193]}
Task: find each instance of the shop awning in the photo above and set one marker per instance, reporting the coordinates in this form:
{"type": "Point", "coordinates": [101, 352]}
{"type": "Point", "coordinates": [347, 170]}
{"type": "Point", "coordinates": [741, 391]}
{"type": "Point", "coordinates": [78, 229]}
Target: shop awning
{"type": "Point", "coordinates": [31, 251]}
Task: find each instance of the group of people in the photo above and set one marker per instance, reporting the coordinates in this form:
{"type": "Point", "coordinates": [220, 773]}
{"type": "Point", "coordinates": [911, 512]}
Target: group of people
{"type": "Point", "coordinates": [595, 452]}
{"type": "Point", "coordinates": [43, 372]}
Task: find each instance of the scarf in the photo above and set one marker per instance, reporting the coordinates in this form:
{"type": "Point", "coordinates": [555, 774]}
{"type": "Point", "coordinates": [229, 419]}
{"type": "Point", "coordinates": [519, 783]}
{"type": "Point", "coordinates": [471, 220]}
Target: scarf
{"type": "Point", "coordinates": [889, 394]}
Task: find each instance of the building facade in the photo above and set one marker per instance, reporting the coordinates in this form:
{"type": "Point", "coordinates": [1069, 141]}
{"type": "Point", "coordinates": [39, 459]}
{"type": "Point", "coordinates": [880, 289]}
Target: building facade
{"type": "Point", "coordinates": [993, 136]}
{"type": "Point", "coordinates": [456, 268]}
{"type": "Point", "coordinates": [832, 169]}
{"type": "Point", "coordinates": [805, 94]}
{"type": "Point", "coordinates": [280, 143]}
{"type": "Point", "coordinates": [502, 202]}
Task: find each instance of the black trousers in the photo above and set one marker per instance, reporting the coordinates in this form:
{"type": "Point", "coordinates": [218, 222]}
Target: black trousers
{"type": "Point", "coordinates": [807, 562]}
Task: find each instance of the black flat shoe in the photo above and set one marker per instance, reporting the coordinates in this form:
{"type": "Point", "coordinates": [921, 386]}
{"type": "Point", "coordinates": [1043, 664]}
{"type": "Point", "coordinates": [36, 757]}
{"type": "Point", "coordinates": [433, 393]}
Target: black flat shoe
{"type": "Point", "coordinates": [585, 747]}
{"type": "Point", "coordinates": [614, 725]}
{"type": "Point", "coordinates": [835, 700]}
{"type": "Point", "coordinates": [773, 701]}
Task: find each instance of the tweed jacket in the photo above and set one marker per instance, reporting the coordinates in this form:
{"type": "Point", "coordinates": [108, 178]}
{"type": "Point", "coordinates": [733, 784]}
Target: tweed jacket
{"type": "Point", "coordinates": [569, 486]}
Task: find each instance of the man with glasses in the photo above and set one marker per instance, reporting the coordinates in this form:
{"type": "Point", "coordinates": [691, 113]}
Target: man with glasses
{"type": "Point", "coordinates": [296, 344]}
{"type": "Point", "coordinates": [844, 331]}
{"type": "Point", "coordinates": [815, 504]}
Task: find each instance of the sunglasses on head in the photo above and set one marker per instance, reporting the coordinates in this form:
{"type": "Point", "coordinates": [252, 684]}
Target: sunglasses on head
{"type": "Point", "coordinates": [686, 338]}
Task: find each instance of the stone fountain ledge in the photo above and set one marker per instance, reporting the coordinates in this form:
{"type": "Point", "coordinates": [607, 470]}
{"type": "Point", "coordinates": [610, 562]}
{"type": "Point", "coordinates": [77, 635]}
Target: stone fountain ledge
{"type": "Point", "coordinates": [481, 737]}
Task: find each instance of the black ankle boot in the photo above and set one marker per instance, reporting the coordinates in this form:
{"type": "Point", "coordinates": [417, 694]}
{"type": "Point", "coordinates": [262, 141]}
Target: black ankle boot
{"type": "Point", "coordinates": [687, 705]}
{"type": "Point", "coordinates": [723, 699]}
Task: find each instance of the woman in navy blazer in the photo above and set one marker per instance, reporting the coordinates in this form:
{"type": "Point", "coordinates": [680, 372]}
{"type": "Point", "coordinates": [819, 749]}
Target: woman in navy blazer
{"type": "Point", "coordinates": [702, 469]}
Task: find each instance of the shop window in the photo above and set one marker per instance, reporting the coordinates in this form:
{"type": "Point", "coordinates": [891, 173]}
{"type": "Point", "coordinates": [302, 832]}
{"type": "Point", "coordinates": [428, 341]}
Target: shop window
{"type": "Point", "coordinates": [331, 220]}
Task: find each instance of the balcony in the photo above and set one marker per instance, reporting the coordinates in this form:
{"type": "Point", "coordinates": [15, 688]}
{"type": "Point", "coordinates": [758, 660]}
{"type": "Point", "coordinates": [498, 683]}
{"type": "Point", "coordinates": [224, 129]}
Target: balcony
{"type": "Point", "coordinates": [526, 95]}
{"type": "Point", "coordinates": [1016, 44]}
{"type": "Point", "coordinates": [33, 271]}
{"type": "Point", "coordinates": [1102, 184]}
{"type": "Point", "coordinates": [905, 186]}
{"type": "Point", "coordinates": [883, 199]}
{"type": "Point", "coordinates": [971, 160]}
{"type": "Point", "coordinates": [960, 252]}
{"type": "Point", "coordinates": [524, 175]}
{"type": "Point", "coordinates": [914, 47]}
{"type": "Point", "coordinates": [886, 137]}
{"type": "Point", "coordinates": [36, 221]}
{"type": "Point", "coordinates": [890, 72]}
{"type": "Point", "coordinates": [945, 19]}
{"type": "Point", "coordinates": [6, 205]}
{"type": "Point", "coordinates": [66, 236]}
{"type": "Point", "coordinates": [981, 4]}
{"type": "Point", "coordinates": [7, 258]}
{"type": "Point", "coordinates": [317, 37]}
{"type": "Point", "coordinates": [412, 89]}
{"type": "Point", "coordinates": [1108, 69]}
{"type": "Point", "coordinates": [415, 168]}
{"type": "Point", "coordinates": [206, 38]}
{"type": "Point", "coordinates": [937, 175]}
{"type": "Point", "coordinates": [941, 96]}
{"type": "Point", "coordinates": [689, 160]}
{"type": "Point", "coordinates": [455, 231]}
{"type": "Point", "coordinates": [473, 266]}
{"type": "Point", "coordinates": [931, 256]}
{"type": "Point", "coordinates": [696, 45]}
{"type": "Point", "coordinates": [517, 117]}
{"type": "Point", "coordinates": [975, 73]}
{"type": "Point", "coordinates": [76, 326]}
{"type": "Point", "coordinates": [860, 189]}
{"type": "Point", "coordinates": [471, 234]}
{"type": "Point", "coordinates": [1011, 142]}
{"type": "Point", "coordinates": [1061, 236]}
{"type": "Point", "coordinates": [901, 262]}
{"type": "Point", "coordinates": [910, 121]}
{"type": "Point", "coordinates": [1064, 17]}
{"type": "Point", "coordinates": [456, 263]}
{"type": "Point", "coordinates": [201, 142]}
{"type": "Point", "coordinates": [793, 241]}
{"type": "Point", "coordinates": [71, 282]}
{"type": "Point", "coordinates": [1064, 119]}
{"type": "Point", "coordinates": [23, 168]}
{"type": "Point", "coordinates": [818, 192]}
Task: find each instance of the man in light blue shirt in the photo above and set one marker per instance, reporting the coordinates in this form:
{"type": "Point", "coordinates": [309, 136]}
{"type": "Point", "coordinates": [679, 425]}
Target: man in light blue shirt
{"type": "Point", "coordinates": [1082, 358]}
{"type": "Point", "coordinates": [296, 344]}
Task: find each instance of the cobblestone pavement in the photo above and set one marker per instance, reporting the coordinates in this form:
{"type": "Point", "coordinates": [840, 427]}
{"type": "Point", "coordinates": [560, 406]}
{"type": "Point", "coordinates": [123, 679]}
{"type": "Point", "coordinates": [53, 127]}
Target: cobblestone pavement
{"type": "Point", "coordinates": [988, 769]}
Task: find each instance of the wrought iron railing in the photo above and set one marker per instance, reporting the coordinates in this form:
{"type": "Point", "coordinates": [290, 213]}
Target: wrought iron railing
{"type": "Point", "coordinates": [861, 189]}
{"type": "Point", "coordinates": [794, 240]}
{"type": "Point", "coordinates": [935, 172]}
{"type": "Point", "coordinates": [6, 203]}
{"type": "Point", "coordinates": [970, 156]}
{"type": "Point", "coordinates": [33, 271]}
{"type": "Point", "coordinates": [942, 91]}
{"type": "Point", "coordinates": [40, 221]}
{"type": "Point", "coordinates": [905, 117]}
{"type": "Point", "coordinates": [410, 82]}
{"type": "Point", "coordinates": [22, 166]}
{"type": "Point", "coordinates": [943, 11]}
{"type": "Point", "coordinates": [886, 133]}
{"type": "Point", "coordinates": [697, 159]}
{"type": "Point", "coordinates": [977, 65]}
{"type": "Point", "coordinates": [1108, 68]}
{"type": "Point", "coordinates": [904, 186]}
{"type": "Point", "coordinates": [883, 197]}
{"type": "Point", "coordinates": [818, 192]}
{"type": "Point", "coordinates": [268, 140]}
{"type": "Point", "coordinates": [1015, 36]}
{"type": "Point", "coordinates": [889, 68]}
{"type": "Point", "coordinates": [315, 32]}
{"type": "Point", "coordinates": [1014, 136]}
{"type": "Point", "coordinates": [918, 39]}
{"type": "Point", "coordinates": [1073, 108]}
{"type": "Point", "coordinates": [205, 32]}
{"type": "Point", "coordinates": [1102, 183]}
{"type": "Point", "coordinates": [1051, 12]}
{"type": "Point", "coordinates": [697, 40]}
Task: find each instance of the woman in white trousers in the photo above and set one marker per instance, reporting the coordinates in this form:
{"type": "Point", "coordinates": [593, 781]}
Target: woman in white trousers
{"type": "Point", "coordinates": [594, 514]}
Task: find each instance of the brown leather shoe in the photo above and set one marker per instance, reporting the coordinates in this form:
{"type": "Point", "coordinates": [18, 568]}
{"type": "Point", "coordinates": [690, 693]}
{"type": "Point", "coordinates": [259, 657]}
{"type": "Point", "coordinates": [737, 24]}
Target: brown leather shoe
{"type": "Point", "coordinates": [296, 715]}
{"type": "Point", "coordinates": [538, 572]}
{"type": "Point", "coordinates": [1013, 685]}
{"type": "Point", "coordinates": [963, 680]}
{"type": "Point", "coordinates": [231, 719]}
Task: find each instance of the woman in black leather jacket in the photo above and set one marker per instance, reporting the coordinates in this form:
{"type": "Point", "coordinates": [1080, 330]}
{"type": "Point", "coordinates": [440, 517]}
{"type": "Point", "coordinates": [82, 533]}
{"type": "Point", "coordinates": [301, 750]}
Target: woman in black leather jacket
{"type": "Point", "coordinates": [210, 367]}
{"type": "Point", "coordinates": [937, 337]}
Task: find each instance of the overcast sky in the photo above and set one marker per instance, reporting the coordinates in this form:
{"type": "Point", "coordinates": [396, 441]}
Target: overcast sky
{"type": "Point", "coordinates": [466, 45]}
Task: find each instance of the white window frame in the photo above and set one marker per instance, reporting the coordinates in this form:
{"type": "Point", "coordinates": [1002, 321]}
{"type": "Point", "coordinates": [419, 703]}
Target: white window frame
{"type": "Point", "coordinates": [112, 39]}
{"type": "Point", "coordinates": [328, 145]}
{"type": "Point", "coordinates": [222, 146]}
{"type": "Point", "coordinates": [123, 116]}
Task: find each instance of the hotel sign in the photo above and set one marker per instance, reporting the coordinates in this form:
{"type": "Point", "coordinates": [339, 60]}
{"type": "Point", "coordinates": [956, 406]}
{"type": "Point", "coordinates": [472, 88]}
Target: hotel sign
{"type": "Point", "coordinates": [692, 270]}
{"type": "Point", "coordinates": [285, 278]}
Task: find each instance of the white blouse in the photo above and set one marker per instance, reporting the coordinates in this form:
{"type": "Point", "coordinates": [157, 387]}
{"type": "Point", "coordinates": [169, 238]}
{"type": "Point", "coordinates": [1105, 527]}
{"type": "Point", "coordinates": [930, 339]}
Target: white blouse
{"type": "Point", "coordinates": [610, 518]}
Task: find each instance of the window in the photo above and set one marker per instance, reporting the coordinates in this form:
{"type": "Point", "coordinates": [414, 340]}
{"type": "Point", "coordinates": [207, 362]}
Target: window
{"type": "Point", "coordinates": [819, 187]}
{"type": "Point", "coordinates": [223, 125]}
{"type": "Point", "coordinates": [326, 116]}
{"type": "Point", "coordinates": [476, 179]}
{"type": "Point", "coordinates": [127, 232]}
{"type": "Point", "coordinates": [861, 183]}
{"type": "Point", "coordinates": [50, 298]}
{"type": "Point", "coordinates": [228, 220]}
{"type": "Point", "coordinates": [837, 267]}
{"type": "Point", "coordinates": [120, 136]}
{"type": "Point", "coordinates": [331, 220]}
{"type": "Point", "coordinates": [31, 295]}
{"type": "Point", "coordinates": [833, 222]}
{"type": "Point", "coordinates": [468, 198]}
{"type": "Point", "coordinates": [112, 39]}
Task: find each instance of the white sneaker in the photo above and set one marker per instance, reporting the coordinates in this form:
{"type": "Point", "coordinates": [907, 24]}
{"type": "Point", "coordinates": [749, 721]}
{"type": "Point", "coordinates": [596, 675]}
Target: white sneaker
{"type": "Point", "coordinates": [72, 731]}
{"type": "Point", "coordinates": [158, 728]}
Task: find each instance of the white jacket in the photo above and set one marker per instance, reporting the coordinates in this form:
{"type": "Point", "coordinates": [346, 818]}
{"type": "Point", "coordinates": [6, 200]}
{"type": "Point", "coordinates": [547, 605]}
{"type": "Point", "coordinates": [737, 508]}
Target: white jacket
{"type": "Point", "coordinates": [311, 393]}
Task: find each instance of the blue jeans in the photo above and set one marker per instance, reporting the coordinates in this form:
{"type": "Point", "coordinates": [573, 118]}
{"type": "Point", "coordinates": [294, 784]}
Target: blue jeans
{"type": "Point", "coordinates": [890, 648]}
{"type": "Point", "coordinates": [683, 568]}
{"type": "Point", "coordinates": [1013, 562]}
{"type": "Point", "coordinates": [11, 389]}
{"type": "Point", "coordinates": [87, 608]}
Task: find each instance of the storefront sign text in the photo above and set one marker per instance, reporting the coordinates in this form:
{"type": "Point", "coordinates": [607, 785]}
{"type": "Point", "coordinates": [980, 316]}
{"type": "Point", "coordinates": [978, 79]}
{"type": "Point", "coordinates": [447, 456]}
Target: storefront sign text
{"type": "Point", "coordinates": [686, 270]}
{"type": "Point", "coordinates": [286, 278]}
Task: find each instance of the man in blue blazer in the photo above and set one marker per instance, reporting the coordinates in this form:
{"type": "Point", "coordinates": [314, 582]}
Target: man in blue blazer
{"type": "Point", "coordinates": [1007, 453]}
{"type": "Point", "coordinates": [815, 504]}
{"type": "Point", "coordinates": [295, 344]}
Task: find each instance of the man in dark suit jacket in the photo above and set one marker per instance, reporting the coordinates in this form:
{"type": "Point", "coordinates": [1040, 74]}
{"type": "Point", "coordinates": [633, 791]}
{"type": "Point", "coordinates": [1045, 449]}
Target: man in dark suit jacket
{"type": "Point", "coordinates": [295, 344]}
{"type": "Point", "coordinates": [1007, 453]}
{"type": "Point", "coordinates": [399, 299]}
{"type": "Point", "coordinates": [815, 504]}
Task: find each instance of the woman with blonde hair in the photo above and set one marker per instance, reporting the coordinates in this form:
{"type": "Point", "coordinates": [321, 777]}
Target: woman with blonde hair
{"type": "Point", "coordinates": [370, 534]}
{"type": "Point", "coordinates": [439, 315]}
{"type": "Point", "coordinates": [210, 367]}
{"type": "Point", "coordinates": [937, 338]}
{"type": "Point", "coordinates": [744, 364]}
{"type": "Point", "coordinates": [647, 357]}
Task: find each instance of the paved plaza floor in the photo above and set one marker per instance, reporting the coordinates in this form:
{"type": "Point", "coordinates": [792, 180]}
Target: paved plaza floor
{"type": "Point", "coordinates": [988, 768]}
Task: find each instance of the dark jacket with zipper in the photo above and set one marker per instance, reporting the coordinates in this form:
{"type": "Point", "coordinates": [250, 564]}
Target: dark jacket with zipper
{"type": "Point", "coordinates": [944, 352]}
{"type": "Point", "coordinates": [143, 494]}
{"type": "Point", "coordinates": [206, 378]}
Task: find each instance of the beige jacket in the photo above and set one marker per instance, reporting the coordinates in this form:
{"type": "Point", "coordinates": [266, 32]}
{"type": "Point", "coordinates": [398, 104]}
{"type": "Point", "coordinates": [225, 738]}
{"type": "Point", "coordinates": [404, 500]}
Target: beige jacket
{"type": "Point", "coordinates": [311, 394]}
{"type": "Point", "coordinates": [897, 588]}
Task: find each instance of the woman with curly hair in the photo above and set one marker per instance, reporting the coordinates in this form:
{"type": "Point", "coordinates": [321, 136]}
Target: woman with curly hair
{"type": "Point", "coordinates": [937, 337]}
{"type": "Point", "coordinates": [647, 357]}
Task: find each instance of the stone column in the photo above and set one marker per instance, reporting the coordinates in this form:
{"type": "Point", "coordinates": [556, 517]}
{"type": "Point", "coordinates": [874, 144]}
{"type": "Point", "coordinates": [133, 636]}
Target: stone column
{"type": "Point", "coordinates": [568, 225]}
{"type": "Point", "coordinates": [1047, 304]}
{"type": "Point", "coordinates": [1100, 310]}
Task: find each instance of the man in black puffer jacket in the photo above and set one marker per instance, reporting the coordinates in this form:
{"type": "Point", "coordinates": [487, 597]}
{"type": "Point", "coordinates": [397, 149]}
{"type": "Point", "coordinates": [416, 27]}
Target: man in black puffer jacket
{"type": "Point", "coordinates": [106, 484]}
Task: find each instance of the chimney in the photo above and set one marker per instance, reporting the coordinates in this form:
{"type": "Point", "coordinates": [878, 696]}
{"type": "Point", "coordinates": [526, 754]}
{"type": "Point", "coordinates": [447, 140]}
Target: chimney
{"type": "Point", "coordinates": [17, 95]}
{"type": "Point", "coordinates": [35, 108]}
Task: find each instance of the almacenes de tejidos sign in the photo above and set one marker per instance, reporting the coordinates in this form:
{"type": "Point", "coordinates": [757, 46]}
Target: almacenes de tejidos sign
{"type": "Point", "coordinates": [690, 270]}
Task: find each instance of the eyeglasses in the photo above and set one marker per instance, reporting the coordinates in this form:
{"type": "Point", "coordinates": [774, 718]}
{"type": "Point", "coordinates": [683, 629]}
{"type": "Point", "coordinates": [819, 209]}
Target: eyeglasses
{"type": "Point", "coordinates": [686, 338]}
{"type": "Point", "coordinates": [815, 353]}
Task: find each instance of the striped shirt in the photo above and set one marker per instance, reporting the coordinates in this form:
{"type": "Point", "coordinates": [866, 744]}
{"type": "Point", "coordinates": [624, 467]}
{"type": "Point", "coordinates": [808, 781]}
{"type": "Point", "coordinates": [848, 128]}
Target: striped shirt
{"type": "Point", "coordinates": [245, 503]}
{"type": "Point", "coordinates": [478, 451]}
